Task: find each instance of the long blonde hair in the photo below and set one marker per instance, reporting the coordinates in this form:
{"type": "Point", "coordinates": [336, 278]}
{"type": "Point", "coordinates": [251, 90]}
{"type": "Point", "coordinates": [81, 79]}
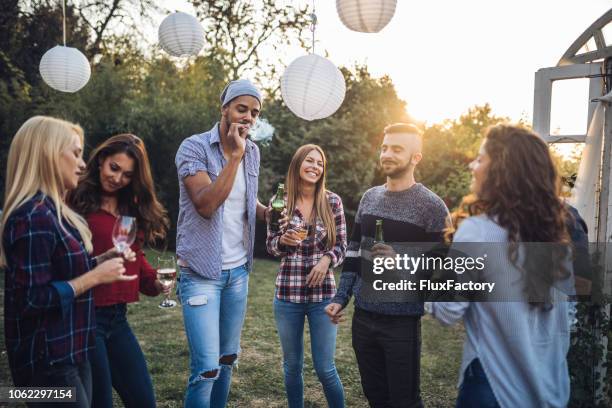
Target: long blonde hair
{"type": "Point", "coordinates": [34, 165]}
{"type": "Point", "coordinates": [322, 208]}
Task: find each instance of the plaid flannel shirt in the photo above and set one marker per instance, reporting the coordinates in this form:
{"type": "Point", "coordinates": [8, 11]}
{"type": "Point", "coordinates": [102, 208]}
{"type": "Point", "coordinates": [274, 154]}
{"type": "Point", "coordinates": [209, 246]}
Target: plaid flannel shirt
{"type": "Point", "coordinates": [297, 262]}
{"type": "Point", "coordinates": [44, 323]}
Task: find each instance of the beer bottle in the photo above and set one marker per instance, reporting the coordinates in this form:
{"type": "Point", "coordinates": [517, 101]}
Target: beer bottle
{"type": "Point", "coordinates": [278, 205]}
{"type": "Point", "coordinates": [378, 238]}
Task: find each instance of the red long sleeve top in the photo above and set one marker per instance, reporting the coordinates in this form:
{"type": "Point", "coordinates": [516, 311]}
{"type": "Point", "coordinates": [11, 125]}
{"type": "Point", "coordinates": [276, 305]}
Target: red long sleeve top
{"type": "Point", "coordinates": [101, 225]}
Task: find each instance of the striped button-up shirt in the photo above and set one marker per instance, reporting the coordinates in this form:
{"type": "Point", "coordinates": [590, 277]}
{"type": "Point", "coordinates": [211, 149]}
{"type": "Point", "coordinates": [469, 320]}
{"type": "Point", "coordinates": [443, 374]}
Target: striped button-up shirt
{"type": "Point", "coordinates": [297, 262]}
{"type": "Point", "coordinates": [198, 241]}
{"type": "Point", "coordinates": [44, 323]}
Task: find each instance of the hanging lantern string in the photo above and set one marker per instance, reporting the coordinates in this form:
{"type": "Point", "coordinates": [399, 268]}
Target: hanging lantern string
{"type": "Point", "coordinates": [313, 26]}
{"type": "Point", "coordinates": [64, 14]}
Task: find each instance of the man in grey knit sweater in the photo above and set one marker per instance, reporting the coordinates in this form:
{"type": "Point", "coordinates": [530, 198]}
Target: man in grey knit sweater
{"type": "Point", "coordinates": [387, 335]}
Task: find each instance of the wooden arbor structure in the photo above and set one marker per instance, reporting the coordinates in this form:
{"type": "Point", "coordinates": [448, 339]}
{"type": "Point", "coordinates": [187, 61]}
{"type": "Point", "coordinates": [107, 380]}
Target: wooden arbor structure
{"type": "Point", "coordinates": [590, 56]}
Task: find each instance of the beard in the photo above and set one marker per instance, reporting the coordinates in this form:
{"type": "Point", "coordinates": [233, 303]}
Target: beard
{"type": "Point", "coordinates": [398, 171]}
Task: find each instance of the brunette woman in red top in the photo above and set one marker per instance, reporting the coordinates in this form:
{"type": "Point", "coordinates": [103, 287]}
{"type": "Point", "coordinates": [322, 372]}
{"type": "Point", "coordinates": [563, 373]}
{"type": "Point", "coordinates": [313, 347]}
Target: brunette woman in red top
{"type": "Point", "coordinates": [117, 182]}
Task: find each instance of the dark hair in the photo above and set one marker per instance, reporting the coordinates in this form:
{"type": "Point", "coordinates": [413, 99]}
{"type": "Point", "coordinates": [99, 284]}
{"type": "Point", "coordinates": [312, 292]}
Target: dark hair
{"type": "Point", "coordinates": [402, 128]}
{"type": "Point", "coordinates": [521, 192]}
{"type": "Point", "coordinates": [137, 199]}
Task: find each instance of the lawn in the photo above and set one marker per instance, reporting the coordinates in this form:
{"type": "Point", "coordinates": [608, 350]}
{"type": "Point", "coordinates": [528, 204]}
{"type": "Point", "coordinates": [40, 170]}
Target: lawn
{"type": "Point", "coordinates": [258, 380]}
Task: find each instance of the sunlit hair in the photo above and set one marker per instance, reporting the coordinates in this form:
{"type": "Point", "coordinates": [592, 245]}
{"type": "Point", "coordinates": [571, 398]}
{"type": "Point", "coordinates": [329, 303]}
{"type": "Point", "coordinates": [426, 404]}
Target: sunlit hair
{"type": "Point", "coordinates": [322, 208]}
{"type": "Point", "coordinates": [34, 165]}
{"type": "Point", "coordinates": [137, 199]}
{"type": "Point", "coordinates": [521, 193]}
{"type": "Point", "coordinates": [406, 128]}
{"type": "Point", "coordinates": [402, 128]}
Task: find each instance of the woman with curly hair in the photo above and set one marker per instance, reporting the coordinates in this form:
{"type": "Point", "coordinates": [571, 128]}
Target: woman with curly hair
{"type": "Point", "coordinates": [118, 181]}
{"type": "Point", "coordinates": [515, 351]}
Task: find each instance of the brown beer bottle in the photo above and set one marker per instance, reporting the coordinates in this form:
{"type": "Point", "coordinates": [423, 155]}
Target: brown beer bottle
{"type": "Point", "coordinates": [378, 237]}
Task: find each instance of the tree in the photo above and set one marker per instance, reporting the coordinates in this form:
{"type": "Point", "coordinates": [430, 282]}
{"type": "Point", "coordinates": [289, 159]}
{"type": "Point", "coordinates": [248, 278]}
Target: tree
{"type": "Point", "coordinates": [104, 17]}
{"type": "Point", "coordinates": [238, 31]}
{"type": "Point", "coordinates": [448, 148]}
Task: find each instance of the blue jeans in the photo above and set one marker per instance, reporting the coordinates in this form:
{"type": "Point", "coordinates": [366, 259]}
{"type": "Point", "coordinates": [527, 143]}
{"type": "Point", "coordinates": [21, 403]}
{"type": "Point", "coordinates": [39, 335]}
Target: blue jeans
{"type": "Point", "coordinates": [213, 312]}
{"type": "Point", "coordinates": [290, 324]}
{"type": "Point", "coordinates": [118, 362]}
{"type": "Point", "coordinates": [475, 390]}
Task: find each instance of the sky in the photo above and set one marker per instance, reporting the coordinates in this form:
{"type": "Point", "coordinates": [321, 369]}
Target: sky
{"type": "Point", "coordinates": [445, 56]}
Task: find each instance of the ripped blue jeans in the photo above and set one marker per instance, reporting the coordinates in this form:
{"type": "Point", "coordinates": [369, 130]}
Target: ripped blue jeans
{"type": "Point", "coordinates": [213, 313]}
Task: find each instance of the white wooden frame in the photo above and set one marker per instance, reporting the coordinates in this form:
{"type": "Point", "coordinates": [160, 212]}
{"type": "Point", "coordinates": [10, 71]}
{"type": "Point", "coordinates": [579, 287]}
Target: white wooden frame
{"type": "Point", "coordinates": [544, 79]}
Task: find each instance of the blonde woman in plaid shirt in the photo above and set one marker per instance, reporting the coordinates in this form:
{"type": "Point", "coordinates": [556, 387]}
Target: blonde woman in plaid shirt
{"type": "Point", "coordinates": [305, 282]}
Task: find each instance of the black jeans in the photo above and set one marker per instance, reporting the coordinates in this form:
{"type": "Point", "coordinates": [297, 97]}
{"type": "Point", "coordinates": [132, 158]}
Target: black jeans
{"type": "Point", "coordinates": [118, 362]}
{"type": "Point", "coordinates": [66, 375]}
{"type": "Point", "coordinates": [388, 351]}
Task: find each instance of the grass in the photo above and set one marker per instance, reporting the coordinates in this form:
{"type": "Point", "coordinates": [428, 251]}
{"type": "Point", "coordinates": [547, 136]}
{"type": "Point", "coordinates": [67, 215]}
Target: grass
{"type": "Point", "coordinates": [258, 380]}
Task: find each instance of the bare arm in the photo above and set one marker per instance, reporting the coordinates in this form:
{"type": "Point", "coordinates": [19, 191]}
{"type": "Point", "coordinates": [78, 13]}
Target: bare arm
{"type": "Point", "coordinates": [207, 195]}
{"type": "Point", "coordinates": [263, 212]}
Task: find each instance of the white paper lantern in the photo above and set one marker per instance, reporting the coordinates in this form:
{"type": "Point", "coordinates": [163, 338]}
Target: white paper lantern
{"type": "Point", "coordinates": [312, 87]}
{"type": "Point", "coordinates": [366, 16]}
{"type": "Point", "coordinates": [65, 68]}
{"type": "Point", "coordinates": [181, 34]}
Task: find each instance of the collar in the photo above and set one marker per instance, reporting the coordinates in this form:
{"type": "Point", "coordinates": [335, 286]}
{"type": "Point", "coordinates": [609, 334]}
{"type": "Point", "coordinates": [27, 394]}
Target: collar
{"type": "Point", "coordinates": [215, 136]}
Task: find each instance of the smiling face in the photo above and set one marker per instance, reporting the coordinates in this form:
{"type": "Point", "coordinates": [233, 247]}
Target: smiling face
{"type": "Point", "coordinates": [479, 168]}
{"type": "Point", "coordinates": [312, 167]}
{"type": "Point", "coordinates": [398, 153]}
{"type": "Point", "coordinates": [244, 110]}
{"type": "Point", "coordinates": [116, 172]}
{"type": "Point", "coordinates": [71, 163]}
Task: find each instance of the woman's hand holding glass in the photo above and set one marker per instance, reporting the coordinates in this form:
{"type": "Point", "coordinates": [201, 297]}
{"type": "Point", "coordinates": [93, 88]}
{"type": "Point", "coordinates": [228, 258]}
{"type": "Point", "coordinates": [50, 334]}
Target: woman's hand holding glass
{"type": "Point", "coordinates": [112, 270]}
{"type": "Point", "coordinates": [290, 238]}
{"type": "Point", "coordinates": [292, 235]}
{"type": "Point", "coordinates": [128, 255]}
{"type": "Point", "coordinates": [164, 289]}
{"type": "Point", "coordinates": [166, 276]}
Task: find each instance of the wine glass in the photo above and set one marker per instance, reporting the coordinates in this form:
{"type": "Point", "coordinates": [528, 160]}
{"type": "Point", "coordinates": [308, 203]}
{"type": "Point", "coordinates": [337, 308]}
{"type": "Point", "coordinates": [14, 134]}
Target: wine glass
{"type": "Point", "coordinates": [124, 233]}
{"type": "Point", "coordinates": [166, 274]}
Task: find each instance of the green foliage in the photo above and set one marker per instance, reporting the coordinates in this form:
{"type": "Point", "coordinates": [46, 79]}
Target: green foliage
{"type": "Point", "coordinates": [584, 355]}
{"type": "Point", "coordinates": [448, 149]}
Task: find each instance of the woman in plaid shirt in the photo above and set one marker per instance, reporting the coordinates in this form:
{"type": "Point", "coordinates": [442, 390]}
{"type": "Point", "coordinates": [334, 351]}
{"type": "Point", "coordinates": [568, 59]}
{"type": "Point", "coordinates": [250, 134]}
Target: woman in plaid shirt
{"type": "Point", "coordinates": [305, 281]}
{"type": "Point", "coordinates": [48, 303]}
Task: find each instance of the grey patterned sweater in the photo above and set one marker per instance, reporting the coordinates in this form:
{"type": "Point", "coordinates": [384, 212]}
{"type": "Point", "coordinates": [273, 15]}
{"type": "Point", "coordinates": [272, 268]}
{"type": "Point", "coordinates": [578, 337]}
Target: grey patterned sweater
{"type": "Point", "coordinates": [413, 215]}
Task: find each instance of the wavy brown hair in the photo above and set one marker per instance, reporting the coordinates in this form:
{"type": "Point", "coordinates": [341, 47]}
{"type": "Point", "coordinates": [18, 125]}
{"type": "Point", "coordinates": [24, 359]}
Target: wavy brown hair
{"type": "Point", "coordinates": [137, 199]}
{"type": "Point", "coordinates": [322, 208]}
{"type": "Point", "coordinates": [521, 193]}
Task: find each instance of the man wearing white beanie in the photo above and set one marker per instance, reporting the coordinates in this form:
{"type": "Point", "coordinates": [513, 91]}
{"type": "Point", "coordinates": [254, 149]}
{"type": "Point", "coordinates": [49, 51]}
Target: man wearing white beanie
{"type": "Point", "coordinates": [218, 172]}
